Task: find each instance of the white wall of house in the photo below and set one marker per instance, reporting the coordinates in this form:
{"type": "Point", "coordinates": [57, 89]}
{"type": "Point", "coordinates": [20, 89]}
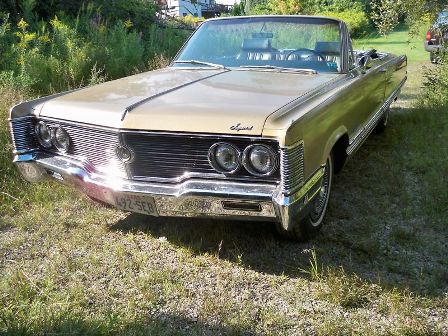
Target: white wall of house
{"type": "Point", "coordinates": [184, 7]}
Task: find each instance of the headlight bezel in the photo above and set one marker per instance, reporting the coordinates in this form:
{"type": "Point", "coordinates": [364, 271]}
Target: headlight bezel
{"type": "Point", "coordinates": [40, 140]}
{"type": "Point", "coordinates": [55, 141]}
{"type": "Point", "coordinates": [215, 164]}
{"type": "Point", "coordinates": [248, 165]}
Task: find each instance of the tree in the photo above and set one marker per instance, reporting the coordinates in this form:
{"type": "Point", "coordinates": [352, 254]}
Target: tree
{"type": "Point", "coordinates": [238, 9]}
{"type": "Point", "coordinates": [291, 7]}
{"type": "Point", "coordinates": [387, 13]}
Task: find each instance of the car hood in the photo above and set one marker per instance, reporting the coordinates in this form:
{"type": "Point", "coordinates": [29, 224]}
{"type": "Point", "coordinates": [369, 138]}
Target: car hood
{"type": "Point", "coordinates": [186, 100]}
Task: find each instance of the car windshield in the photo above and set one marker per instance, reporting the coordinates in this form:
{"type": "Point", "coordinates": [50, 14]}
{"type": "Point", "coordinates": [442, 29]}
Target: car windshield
{"type": "Point", "coordinates": [264, 44]}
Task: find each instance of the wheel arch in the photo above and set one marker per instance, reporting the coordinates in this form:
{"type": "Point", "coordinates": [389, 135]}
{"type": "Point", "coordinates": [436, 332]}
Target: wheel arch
{"type": "Point", "coordinates": [337, 145]}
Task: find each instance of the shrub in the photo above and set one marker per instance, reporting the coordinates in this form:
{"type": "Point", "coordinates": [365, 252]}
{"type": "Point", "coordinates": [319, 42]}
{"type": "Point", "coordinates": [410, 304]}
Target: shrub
{"type": "Point", "coordinates": [60, 55]}
{"type": "Point", "coordinates": [357, 21]}
{"type": "Point", "coordinates": [119, 50]}
{"type": "Point", "coordinates": [340, 5]}
{"type": "Point", "coordinates": [435, 84]}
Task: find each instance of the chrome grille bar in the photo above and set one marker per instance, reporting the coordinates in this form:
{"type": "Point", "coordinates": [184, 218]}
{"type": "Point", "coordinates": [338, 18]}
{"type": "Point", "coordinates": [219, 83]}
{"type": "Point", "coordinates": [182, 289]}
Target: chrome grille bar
{"type": "Point", "coordinates": [96, 146]}
{"type": "Point", "coordinates": [292, 168]}
{"type": "Point", "coordinates": [22, 134]}
{"type": "Point", "coordinates": [175, 156]}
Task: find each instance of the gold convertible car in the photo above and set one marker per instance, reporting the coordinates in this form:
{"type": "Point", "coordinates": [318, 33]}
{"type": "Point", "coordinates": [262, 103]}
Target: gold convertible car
{"type": "Point", "coordinates": [250, 121]}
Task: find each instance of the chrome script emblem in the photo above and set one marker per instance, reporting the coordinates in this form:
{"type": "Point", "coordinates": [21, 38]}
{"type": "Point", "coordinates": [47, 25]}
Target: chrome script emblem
{"type": "Point", "coordinates": [238, 128]}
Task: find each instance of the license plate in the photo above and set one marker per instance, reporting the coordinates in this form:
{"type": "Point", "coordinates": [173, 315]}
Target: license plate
{"type": "Point", "coordinates": [135, 203]}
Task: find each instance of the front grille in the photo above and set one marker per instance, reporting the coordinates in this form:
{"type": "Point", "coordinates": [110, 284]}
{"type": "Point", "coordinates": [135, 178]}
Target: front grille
{"type": "Point", "coordinates": [22, 134]}
{"type": "Point", "coordinates": [171, 156]}
{"type": "Point", "coordinates": [94, 145]}
{"type": "Point", "coordinates": [292, 168]}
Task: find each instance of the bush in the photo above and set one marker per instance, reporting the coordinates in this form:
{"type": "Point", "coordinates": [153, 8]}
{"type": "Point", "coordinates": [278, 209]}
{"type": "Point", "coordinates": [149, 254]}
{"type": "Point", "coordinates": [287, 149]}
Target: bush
{"type": "Point", "coordinates": [357, 21]}
{"type": "Point", "coordinates": [435, 84]}
{"type": "Point", "coordinates": [340, 5]}
{"type": "Point", "coordinates": [61, 54]}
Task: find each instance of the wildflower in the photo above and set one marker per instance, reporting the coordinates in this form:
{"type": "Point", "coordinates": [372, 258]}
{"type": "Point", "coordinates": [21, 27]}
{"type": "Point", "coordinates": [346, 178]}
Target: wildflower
{"type": "Point", "coordinates": [102, 28]}
{"type": "Point", "coordinates": [56, 23]}
{"type": "Point", "coordinates": [27, 37]}
{"type": "Point", "coordinates": [22, 24]}
{"type": "Point", "coordinates": [128, 24]}
{"type": "Point", "coordinates": [44, 38]}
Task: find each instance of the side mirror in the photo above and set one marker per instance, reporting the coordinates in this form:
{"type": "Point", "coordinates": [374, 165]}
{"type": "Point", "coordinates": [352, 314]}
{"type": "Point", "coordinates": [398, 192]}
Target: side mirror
{"type": "Point", "coordinates": [365, 62]}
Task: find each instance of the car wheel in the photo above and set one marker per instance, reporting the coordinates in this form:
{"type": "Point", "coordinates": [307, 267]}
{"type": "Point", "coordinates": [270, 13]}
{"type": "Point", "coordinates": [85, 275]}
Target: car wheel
{"type": "Point", "coordinates": [434, 57]}
{"type": "Point", "coordinates": [382, 124]}
{"type": "Point", "coordinates": [308, 227]}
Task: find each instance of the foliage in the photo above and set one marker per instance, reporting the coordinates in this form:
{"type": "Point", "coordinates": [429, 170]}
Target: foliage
{"type": "Point", "coordinates": [191, 20]}
{"type": "Point", "coordinates": [417, 12]}
{"type": "Point", "coordinates": [386, 14]}
{"type": "Point", "coordinates": [290, 7]}
{"type": "Point", "coordinates": [60, 55]}
{"type": "Point", "coordinates": [340, 5]}
{"type": "Point", "coordinates": [238, 9]}
{"type": "Point", "coordinates": [357, 21]}
{"type": "Point", "coordinates": [141, 12]}
{"type": "Point", "coordinates": [435, 84]}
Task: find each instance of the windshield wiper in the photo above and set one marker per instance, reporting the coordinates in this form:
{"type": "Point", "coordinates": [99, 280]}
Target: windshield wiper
{"type": "Point", "coordinates": [214, 65]}
{"type": "Point", "coordinates": [279, 69]}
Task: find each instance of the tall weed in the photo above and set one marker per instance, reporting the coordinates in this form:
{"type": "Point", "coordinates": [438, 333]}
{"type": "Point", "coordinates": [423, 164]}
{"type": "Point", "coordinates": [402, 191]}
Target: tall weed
{"type": "Point", "coordinates": [61, 54]}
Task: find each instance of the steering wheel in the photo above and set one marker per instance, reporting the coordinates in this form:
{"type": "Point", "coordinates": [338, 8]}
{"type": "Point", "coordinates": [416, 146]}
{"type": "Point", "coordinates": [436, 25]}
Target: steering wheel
{"type": "Point", "coordinates": [311, 51]}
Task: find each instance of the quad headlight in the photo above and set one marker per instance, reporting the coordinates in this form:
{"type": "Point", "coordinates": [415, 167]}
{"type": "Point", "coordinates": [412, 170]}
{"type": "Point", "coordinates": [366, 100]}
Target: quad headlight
{"type": "Point", "coordinates": [225, 158]}
{"type": "Point", "coordinates": [43, 134]}
{"type": "Point", "coordinates": [60, 139]}
{"type": "Point", "coordinates": [49, 136]}
{"type": "Point", "coordinates": [259, 160]}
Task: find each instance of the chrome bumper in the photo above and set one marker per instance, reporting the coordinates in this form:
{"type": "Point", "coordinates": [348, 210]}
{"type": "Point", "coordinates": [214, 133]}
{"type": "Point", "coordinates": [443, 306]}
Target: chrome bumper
{"type": "Point", "coordinates": [192, 198]}
{"type": "Point", "coordinates": [435, 47]}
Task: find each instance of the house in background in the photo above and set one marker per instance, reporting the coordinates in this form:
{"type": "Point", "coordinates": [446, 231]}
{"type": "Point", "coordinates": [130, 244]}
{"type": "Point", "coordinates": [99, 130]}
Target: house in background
{"type": "Point", "coordinates": [197, 8]}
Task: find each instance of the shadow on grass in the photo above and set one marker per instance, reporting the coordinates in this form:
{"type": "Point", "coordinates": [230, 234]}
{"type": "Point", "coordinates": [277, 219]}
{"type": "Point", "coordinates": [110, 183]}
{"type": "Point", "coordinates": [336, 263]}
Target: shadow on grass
{"type": "Point", "coordinates": [367, 41]}
{"type": "Point", "coordinates": [160, 325]}
{"type": "Point", "coordinates": [374, 228]}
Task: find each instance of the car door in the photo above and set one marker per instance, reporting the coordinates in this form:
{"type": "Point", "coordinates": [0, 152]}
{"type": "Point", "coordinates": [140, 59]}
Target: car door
{"type": "Point", "coordinates": [365, 96]}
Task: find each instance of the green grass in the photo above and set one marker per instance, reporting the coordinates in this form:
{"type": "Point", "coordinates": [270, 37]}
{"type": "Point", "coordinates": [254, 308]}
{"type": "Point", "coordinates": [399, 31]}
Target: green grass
{"type": "Point", "coordinates": [398, 42]}
{"type": "Point", "coordinates": [71, 267]}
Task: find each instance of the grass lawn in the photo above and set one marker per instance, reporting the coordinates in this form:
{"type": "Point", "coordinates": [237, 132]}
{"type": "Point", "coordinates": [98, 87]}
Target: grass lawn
{"type": "Point", "coordinates": [398, 42]}
{"type": "Point", "coordinates": [70, 267]}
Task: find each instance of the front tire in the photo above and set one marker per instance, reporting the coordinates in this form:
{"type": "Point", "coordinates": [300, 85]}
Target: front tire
{"type": "Point", "coordinates": [310, 226]}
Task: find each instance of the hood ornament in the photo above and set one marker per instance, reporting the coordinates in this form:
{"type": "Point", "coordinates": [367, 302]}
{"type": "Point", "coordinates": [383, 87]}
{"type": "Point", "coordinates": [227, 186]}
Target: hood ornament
{"type": "Point", "coordinates": [238, 128]}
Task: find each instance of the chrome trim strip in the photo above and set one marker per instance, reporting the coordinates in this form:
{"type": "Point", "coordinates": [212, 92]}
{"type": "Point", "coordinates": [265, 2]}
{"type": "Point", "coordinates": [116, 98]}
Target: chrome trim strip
{"type": "Point", "coordinates": [368, 128]}
{"type": "Point", "coordinates": [202, 135]}
{"type": "Point", "coordinates": [125, 130]}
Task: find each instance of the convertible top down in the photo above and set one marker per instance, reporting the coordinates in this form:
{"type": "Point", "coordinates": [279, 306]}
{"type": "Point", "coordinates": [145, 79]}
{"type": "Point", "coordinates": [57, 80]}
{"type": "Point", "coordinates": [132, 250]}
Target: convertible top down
{"type": "Point", "coordinates": [251, 121]}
